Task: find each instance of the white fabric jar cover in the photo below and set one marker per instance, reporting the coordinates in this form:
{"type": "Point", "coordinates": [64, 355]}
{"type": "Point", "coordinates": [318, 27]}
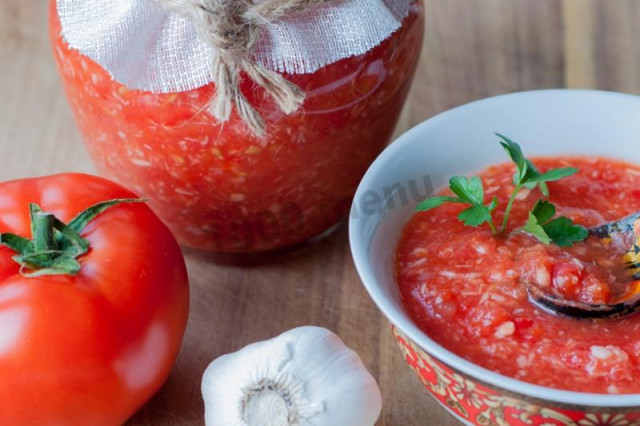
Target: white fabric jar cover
{"type": "Point", "coordinates": [145, 47]}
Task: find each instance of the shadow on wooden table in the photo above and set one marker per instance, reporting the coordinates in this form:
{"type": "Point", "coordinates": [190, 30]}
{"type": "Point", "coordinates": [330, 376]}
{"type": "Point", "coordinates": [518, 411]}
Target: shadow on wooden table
{"type": "Point", "coordinates": [233, 306]}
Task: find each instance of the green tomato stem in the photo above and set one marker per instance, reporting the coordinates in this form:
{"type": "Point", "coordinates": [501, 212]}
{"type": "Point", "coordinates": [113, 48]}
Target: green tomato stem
{"type": "Point", "coordinates": [55, 246]}
{"type": "Point", "coordinates": [43, 232]}
{"type": "Point", "coordinates": [507, 212]}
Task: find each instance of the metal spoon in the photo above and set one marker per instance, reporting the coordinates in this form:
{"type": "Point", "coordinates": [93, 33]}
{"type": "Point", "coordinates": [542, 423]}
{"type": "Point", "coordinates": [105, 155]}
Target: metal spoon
{"type": "Point", "coordinates": [625, 305]}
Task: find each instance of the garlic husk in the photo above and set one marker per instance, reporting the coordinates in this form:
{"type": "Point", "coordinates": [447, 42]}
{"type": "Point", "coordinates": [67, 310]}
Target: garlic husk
{"type": "Point", "coordinates": [304, 377]}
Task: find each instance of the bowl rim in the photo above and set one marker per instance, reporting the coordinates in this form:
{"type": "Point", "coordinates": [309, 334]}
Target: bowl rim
{"type": "Point", "coordinates": [359, 250]}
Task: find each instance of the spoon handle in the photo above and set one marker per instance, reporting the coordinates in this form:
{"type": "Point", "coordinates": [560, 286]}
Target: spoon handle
{"type": "Point", "coordinates": [624, 225]}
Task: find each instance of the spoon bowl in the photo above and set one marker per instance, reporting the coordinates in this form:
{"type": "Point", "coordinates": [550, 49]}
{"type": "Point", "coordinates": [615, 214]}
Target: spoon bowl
{"type": "Point", "coordinates": [625, 305]}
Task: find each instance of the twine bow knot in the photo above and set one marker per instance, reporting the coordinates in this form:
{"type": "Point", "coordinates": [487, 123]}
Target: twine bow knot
{"type": "Point", "coordinates": [233, 28]}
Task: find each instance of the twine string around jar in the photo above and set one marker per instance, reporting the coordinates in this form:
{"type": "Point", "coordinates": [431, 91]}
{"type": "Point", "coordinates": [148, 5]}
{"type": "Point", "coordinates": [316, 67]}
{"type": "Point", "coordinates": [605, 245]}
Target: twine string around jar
{"type": "Point", "coordinates": [233, 28]}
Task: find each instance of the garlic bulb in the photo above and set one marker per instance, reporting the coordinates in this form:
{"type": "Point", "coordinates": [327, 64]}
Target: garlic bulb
{"type": "Point", "coordinates": [304, 377]}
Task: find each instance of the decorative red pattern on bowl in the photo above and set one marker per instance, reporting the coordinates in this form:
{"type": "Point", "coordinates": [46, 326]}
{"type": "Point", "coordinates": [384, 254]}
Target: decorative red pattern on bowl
{"type": "Point", "coordinates": [476, 404]}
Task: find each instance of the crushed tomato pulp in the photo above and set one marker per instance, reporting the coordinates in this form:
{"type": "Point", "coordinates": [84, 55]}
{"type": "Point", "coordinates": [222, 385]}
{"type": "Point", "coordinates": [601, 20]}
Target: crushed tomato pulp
{"type": "Point", "coordinates": [462, 285]}
{"type": "Point", "coordinates": [218, 187]}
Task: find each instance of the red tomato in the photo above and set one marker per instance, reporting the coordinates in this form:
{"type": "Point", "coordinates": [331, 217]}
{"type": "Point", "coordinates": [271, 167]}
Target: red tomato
{"type": "Point", "coordinates": [90, 348]}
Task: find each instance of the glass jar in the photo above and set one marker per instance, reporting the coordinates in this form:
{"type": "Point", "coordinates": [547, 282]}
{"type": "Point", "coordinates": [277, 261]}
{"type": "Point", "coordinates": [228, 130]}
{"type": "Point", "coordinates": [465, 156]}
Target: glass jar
{"type": "Point", "coordinates": [216, 186]}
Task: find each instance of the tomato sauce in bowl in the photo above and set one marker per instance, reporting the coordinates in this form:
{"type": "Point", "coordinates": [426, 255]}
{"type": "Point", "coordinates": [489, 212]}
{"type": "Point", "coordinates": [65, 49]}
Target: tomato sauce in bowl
{"type": "Point", "coordinates": [463, 286]}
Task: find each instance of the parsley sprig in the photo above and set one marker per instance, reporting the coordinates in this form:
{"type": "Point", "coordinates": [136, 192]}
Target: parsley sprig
{"type": "Point", "coordinates": [542, 223]}
{"type": "Point", "coordinates": [547, 228]}
{"type": "Point", "coordinates": [468, 191]}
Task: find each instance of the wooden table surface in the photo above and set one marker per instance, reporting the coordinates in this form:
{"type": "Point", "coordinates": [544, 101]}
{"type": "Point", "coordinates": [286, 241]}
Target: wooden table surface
{"type": "Point", "coordinates": [473, 49]}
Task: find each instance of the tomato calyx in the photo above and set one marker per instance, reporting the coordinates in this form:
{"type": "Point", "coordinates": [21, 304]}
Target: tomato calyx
{"type": "Point", "coordinates": [55, 246]}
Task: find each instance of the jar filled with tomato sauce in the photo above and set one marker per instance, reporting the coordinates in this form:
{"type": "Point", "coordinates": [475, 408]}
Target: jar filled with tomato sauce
{"type": "Point", "coordinates": [219, 186]}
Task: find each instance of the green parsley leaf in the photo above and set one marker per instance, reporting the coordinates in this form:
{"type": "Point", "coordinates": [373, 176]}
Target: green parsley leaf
{"type": "Point", "coordinates": [493, 205]}
{"type": "Point", "coordinates": [529, 180]}
{"type": "Point", "coordinates": [564, 232]}
{"type": "Point", "coordinates": [560, 231]}
{"type": "Point", "coordinates": [534, 178]}
{"type": "Point", "coordinates": [515, 152]}
{"type": "Point", "coordinates": [544, 211]}
{"type": "Point", "coordinates": [544, 188]}
{"type": "Point", "coordinates": [531, 174]}
{"type": "Point", "coordinates": [527, 173]}
{"type": "Point", "coordinates": [475, 216]}
{"type": "Point", "coordinates": [554, 174]}
{"type": "Point", "coordinates": [536, 230]}
{"type": "Point", "coordinates": [434, 202]}
{"type": "Point", "coordinates": [469, 190]}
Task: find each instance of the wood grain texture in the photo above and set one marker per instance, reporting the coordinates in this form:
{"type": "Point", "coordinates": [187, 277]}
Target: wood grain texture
{"type": "Point", "coordinates": [473, 49]}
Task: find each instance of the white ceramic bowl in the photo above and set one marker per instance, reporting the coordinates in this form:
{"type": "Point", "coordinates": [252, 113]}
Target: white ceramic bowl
{"type": "Point", "coordinates": [460, 141]}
